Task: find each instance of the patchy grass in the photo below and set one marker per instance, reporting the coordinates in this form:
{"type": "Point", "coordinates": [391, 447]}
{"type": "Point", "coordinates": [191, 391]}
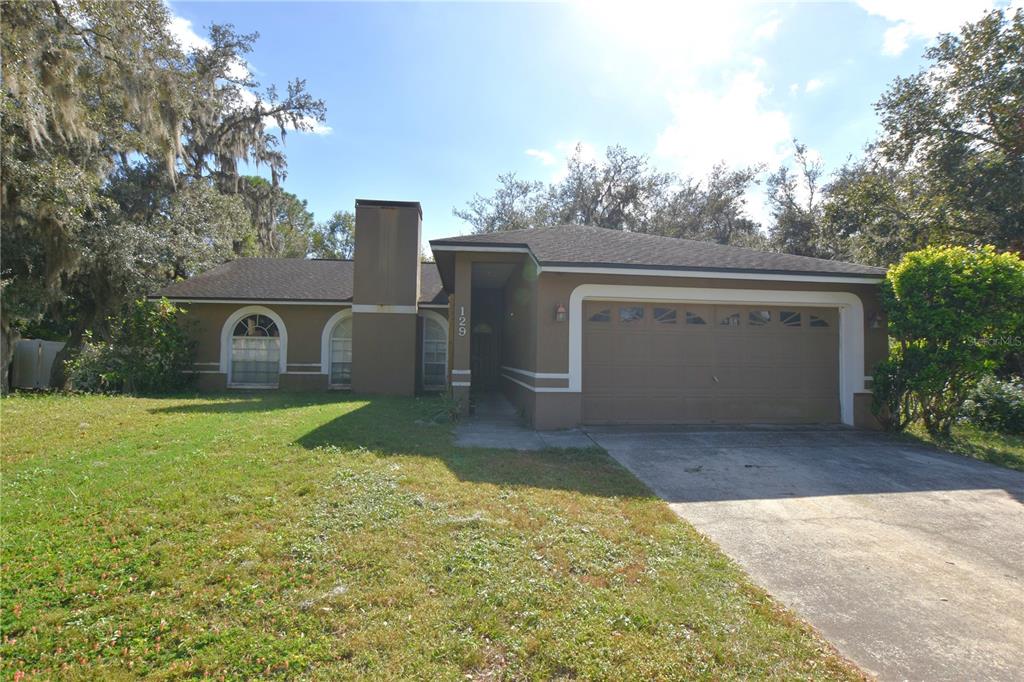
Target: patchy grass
{"type": "Point", "coordinates": [1003, 449]}
{"type": "Point", "coordinates": [323, 536]}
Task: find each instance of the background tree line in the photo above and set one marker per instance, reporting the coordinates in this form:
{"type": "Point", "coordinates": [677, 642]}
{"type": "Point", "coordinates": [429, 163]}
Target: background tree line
{"type": "Point", "coordinates": [120, 157]}
{"type": "Point", "coordinates": [947, 168]}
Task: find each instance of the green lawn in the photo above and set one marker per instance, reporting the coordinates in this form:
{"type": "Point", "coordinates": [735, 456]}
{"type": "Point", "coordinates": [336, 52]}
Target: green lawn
{"type": "Point", "coordinates": [996, 448]}
{"type": "Point", "coordinates": [321, 536]}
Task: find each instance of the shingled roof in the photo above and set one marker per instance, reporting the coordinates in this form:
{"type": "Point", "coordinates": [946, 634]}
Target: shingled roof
{"type": "Point", "coordinates": [286, 279]}
{"type": "Point", "coordinates": [578, 246]}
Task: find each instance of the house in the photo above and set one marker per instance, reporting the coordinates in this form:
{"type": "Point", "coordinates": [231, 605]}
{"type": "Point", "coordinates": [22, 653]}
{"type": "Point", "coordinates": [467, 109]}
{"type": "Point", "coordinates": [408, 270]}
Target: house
{"type": "Point", "coordinates": [574, 324]}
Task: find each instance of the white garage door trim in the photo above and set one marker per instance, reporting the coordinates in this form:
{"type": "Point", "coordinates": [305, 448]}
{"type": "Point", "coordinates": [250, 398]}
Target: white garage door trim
{"type": "Point", "coordinates": [851, 323]}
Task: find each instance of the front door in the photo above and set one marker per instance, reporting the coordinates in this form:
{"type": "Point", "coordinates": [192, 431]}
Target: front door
{"type": "Point", "coordinates": [485, 339]}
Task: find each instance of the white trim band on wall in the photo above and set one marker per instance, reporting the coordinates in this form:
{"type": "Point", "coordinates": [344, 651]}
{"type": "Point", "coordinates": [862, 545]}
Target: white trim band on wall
{"type": "Point", "coordinates": [382, 308]}
{"type": "Point", "coordinates": [537, 375]}
{"type": "Point", "coordinates": [538, 389]}
{"type": "Point", "coordinates": [465, 372]}
{"type": "Point", "coordinates": [461, 384]}
{"type": "Point", "coordinates": [851, 323]}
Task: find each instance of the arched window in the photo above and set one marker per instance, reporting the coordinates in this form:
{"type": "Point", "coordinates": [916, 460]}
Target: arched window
{"type": "Point", "coordinates": [341, 353]}
{"type": "Point", "coordinates": [255, 352]}
{"type": "Point", "coordinates": [435, 352]}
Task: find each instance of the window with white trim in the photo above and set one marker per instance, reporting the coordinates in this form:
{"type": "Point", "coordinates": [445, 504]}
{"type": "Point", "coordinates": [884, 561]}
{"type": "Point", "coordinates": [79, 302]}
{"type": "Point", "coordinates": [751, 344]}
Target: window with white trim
{"type": "Point", "coordinates": [255, 352]}
{"type": "Point", "coordinates": [341, 353]}
{"type": "Point", "coordinates": [435, 354]}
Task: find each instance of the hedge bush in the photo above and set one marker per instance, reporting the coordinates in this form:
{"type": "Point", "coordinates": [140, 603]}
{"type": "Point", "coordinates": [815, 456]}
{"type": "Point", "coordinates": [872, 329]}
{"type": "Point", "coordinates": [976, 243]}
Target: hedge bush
{"type": "Point", "coordinates": [151, 352]}
{"type": "Point", "coordinates": [952, 313]}
{"type": "Point", "coordinates": [997, 405]}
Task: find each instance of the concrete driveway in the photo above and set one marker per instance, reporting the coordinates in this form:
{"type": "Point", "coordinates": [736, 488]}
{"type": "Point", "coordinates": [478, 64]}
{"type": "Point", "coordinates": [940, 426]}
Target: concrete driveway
{"type": "Point", "coordinates": [909, 560]}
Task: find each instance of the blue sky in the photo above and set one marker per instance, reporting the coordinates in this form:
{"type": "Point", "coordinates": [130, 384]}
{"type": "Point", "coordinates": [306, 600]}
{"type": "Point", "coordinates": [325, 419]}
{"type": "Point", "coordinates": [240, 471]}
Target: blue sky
{"type": "Point", "coordinates": [430, 102]}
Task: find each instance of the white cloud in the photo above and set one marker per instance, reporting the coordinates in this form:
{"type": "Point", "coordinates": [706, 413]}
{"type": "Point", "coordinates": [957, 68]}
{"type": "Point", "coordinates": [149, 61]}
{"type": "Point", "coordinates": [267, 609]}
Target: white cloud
{"type": "Point", "coordinates": [733, 125]}
{"type": "Point", "coordinates": [702, 58]}
{"type": "Point", "coordinates": [183, 33]}
{"type": "Point", "coordinates": [585, 150]}
{"type": "Point", "coordinates": [896, 40]}
{"type": "Point", "coordinates": [814, 85]}
{"type": "Point", "coordinates": [676, 36]}
{"type": "Point", "coordinates": [545, 157]}
{"type": "Point", "coordinates": [794, 88]}
{"type": "Point", "coordinates": [768, 29]}
{"type": "Point", "coordinates": [313, 127]}
{"type": "Point", "coordinates": [561, 154]}
{"type": "Point", "coordinates": [922, 19]}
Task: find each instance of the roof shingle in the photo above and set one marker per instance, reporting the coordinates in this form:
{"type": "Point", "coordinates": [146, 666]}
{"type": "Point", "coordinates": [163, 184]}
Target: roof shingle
{"type": "Point", "coordinates": [574, 245]}
{"type": "Point", "coordinates": [287, 279]}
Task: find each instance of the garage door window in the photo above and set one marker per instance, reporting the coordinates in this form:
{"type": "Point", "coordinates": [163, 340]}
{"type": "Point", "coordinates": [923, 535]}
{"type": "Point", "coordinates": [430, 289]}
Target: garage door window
{"type": "Point", "coordinates": [816, 321]}
{"type": "Point", "coordinates": [759, 318]}
{"type": "Point", "coordinates": [730, 320]}
{"type": "Point", "coordinates": [602, 316]}
{"type": "Point", "coordinates": [665, 315]}
{"type": "Point", "coordinates": [789, 318]}
{"type": "Point", "coordinates": [694, 318]}
{"type": "Point", "coordinates": [632, 313]}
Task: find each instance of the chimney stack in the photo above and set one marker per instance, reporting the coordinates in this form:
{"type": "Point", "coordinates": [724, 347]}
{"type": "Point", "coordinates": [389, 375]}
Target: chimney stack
{"type": "Point", "coordinates": [385, 295]}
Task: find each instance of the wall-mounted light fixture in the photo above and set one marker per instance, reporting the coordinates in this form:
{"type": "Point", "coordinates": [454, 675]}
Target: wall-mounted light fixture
{"type": "Point", "coordinates": [875, 321]}
{"type": "Point", "coordinates": [560, 313]}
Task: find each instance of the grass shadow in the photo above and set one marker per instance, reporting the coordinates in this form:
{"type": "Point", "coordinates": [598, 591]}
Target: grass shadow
{"type": "Point", "coordinates": [420, 427]}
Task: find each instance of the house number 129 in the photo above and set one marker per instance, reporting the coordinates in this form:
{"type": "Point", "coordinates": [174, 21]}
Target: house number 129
{"type": "Point", "coordinates": [461, 324]}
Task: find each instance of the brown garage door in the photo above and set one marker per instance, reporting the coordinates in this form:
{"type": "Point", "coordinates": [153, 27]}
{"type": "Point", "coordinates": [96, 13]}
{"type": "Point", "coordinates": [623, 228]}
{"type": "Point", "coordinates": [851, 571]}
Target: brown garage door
{"type": "Point", "coordinates": [678, 363]}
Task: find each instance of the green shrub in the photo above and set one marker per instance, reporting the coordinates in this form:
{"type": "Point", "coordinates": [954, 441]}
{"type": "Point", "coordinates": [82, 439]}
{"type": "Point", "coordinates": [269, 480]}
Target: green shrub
{"type": "Point", "coordinates": [997, 405]}
{"type": "Point", "coordinates": [150, 352]}
{"type": "Point", "coordinates": [893, 401]}
{"type": "Point", "coordinates": [951, 311]}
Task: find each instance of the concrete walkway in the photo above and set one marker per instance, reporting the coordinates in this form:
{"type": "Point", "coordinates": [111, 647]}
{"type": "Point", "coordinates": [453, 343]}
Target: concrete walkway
{"type": "Point", "coordinates": [496, 424]}
{"type": "Point", "coordinates": [909, 560]}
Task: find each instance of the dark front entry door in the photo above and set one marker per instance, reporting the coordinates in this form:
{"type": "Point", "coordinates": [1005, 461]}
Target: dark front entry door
{"type": "Point", "coordinates": [485, 342]}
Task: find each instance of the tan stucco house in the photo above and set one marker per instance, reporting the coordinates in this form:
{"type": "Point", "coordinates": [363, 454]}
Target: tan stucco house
{"type": "Point", "coordinates": [574, 324]}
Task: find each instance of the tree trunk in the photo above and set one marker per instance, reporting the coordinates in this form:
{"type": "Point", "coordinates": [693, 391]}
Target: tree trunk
{"type": "Point", "coordinates": [8, 339]}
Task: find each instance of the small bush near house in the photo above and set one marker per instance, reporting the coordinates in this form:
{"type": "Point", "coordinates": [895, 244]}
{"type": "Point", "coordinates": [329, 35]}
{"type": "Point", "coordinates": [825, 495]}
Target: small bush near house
{"type": "Point", "coordinates": [997, 405]}
{"type": "Point", "coordinates": [950, 310]}
{"type": "Point", "coordinates": [150, 352]}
